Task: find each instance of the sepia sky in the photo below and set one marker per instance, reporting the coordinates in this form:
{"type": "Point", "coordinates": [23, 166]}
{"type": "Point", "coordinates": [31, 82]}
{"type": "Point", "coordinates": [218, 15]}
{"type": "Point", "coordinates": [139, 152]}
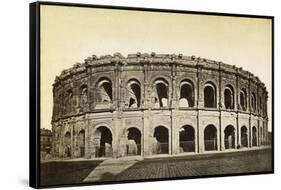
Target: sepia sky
{"type": "Point", "coordinates": [71, 34]}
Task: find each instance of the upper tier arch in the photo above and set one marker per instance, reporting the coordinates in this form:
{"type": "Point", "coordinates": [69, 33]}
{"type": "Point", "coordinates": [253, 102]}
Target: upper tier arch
{"type": "Point", "coordinates": [169, 78]}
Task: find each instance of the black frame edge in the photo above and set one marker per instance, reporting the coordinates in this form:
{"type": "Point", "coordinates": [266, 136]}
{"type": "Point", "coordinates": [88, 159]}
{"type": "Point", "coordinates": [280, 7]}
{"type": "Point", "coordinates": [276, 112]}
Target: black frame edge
{"type": "Point", "coordinates": [272, 94]}
{"type": "Point", "coordinates": [120, 7]}
{"type": "Point", "coordinates": [34, 98]}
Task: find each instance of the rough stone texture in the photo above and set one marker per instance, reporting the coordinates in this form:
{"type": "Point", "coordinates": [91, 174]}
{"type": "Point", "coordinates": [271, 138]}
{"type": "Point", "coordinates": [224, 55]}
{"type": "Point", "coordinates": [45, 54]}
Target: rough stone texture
{"type": "Point", "coordinates": [94, 97]}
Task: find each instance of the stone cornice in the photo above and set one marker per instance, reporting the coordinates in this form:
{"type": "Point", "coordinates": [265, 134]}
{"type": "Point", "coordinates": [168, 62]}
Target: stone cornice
{"type": "Point", "coordinates": [156, 59]}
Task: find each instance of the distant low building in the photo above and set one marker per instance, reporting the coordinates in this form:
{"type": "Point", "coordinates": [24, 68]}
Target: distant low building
{"type": "Point", "coordinates": [45, 140]}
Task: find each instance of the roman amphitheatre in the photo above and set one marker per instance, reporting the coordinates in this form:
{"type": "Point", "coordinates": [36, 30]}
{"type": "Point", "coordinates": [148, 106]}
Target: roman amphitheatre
{"type": "Point", "coordinates": [156, 104]}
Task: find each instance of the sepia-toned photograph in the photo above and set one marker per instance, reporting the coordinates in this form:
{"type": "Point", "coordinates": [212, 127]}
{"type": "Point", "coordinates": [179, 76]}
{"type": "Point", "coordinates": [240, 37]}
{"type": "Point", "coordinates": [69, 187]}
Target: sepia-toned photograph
{"type": "Point", "coordinates": [133, 94]}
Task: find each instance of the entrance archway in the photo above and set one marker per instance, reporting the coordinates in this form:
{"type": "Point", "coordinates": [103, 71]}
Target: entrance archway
{"type": "Point", "coordinates": [134, 142]}
{"type": "Point", "coordinates": [229, 137]}
{"type": "Point", "coordinates": [210, 138]}
{"type": "Point", "coordinates": [254, 136]}
{"type": "Point", "coordinates": [81, 143]}
{"type": "Point", "coordinates": [187, 139]}
{"type": "Point", "coordinates": [244, 136]}
{"type": "Point", "coordinates": [161, 138]}
{"type": "Point", "coordinates": [67, 144]}
{"type": "Point", "coordinates": [103, 142]}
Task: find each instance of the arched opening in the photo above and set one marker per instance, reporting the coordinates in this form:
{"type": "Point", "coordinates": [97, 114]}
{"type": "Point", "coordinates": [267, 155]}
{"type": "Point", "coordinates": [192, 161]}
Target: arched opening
{"type": "Point", "coordinates": [210, 138]}
{"type": "Point", "coordinates": [253, 102]}
{"type": "Point", "coordinates": [103, 142]}
{"type": "Point", "coordinates": [57, 142]}
{"type": "Point", "coordinates": [69, 94]}
{"type": "Point", "coordinates": [67, 144]}
{"type": "Point", "coordinates": [68, 101]}
{"type": "Point", "coordinates": [134, 141]}
{"type": "Point", "coordinates": [254, 136]}
{"type": "Point", "coordinates": [161, 98]}
{"type": "Point", "coordinates": [186, 94]}
{"type": "Point", "coordinates": [105, 91]}
{"type": "Point", "coordinates": [243, 99]}
{"type": "Point", "coordinates": [81, 143]}
{"type": "Point", "coordinates": [134, 94]}
{"type": "Point", "coordinates": [209, 96]}
{"type": "Point", "coordinates": [229, 137]}
{"type": "Point", "coordinates": [161, 138]}
{"type": "Point", "coordinates": [260, 104]}
{"type": "Point", "coordinates": [187, 139]}
{"type": "Point", "coordinates": [229, 97]}
{"type": "Point", "coordinates": [261, 136]}
{"type": "Point", "coordinates": [83, 95]}
{"type": "Point", "coordinates": [244, 136]}
{"type": "Point", "coordinates": [61, 105]}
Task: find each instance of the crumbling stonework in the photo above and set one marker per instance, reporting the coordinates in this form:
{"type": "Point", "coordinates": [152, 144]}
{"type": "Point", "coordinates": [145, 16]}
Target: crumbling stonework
{"type": "Point", "coordinates": [145, 104]}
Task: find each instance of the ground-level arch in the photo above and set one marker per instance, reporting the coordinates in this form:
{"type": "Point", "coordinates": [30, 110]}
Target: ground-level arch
{"type": "Point", "coordinates": [210, 138]}
{"type": "Point", "coordinates": [244, 136]}
{"type": "Point", "coordinates": [133, 146]}
{"type": "Point", "coordinates": [229, 137]}
{"type": "Point", "coordinates": [81, 143]}
{"type": "Point", "coordinates": [161, 140]}
{"type": "Point", "coordinates": [254, 136]}
{"type": "Point", "coordinates": [187, 139]}
{"type": "Point", "coordinates": [103, 142]}
{"type": "Point", "coordinates": [67, 144]}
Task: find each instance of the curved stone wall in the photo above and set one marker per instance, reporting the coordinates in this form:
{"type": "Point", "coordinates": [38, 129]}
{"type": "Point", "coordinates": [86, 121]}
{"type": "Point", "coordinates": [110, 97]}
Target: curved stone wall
{"type": "Point", "coordinates": [146, 104]}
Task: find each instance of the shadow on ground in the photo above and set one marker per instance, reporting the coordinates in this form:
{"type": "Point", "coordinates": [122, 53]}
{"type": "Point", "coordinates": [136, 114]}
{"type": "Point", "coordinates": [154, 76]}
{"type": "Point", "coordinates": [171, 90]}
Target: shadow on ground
{"type": "Point", "coordinates": [56, 173]}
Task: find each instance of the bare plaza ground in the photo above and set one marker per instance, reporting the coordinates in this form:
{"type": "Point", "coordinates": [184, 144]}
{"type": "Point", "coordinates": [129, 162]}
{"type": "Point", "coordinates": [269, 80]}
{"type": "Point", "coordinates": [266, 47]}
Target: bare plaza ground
{"type": "Point", "coordinates": [71, 172]}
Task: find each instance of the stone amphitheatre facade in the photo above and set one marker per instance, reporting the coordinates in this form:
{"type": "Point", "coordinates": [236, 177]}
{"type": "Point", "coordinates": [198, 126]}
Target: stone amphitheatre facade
{"type": "Point", "coordinates": [148, 104]}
